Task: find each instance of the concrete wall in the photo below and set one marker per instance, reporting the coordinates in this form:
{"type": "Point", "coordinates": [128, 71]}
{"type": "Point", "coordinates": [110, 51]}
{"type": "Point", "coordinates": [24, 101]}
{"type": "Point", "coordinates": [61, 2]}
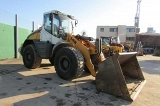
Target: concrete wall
{"type": "Point", "coordinates": [22, 35]}
{"type": "Point", "coordinates": [7, 40]}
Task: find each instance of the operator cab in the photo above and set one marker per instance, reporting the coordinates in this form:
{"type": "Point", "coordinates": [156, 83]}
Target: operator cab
{"type": "Point", "coordinates": [56, 26]}
{"type": "Point", "coordinates": [106, 41]}
{"type": "Point", "coordinates": [109, 40]}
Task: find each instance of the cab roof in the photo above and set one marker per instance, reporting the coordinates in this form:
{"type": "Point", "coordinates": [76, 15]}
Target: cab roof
{"type": "Point", "coordinates": [58, 12]}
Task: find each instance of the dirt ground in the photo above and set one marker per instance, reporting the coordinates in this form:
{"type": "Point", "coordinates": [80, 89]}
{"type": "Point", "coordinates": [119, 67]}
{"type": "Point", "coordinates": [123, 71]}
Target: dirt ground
{"type": "Point", "coordinates": [20, 86]}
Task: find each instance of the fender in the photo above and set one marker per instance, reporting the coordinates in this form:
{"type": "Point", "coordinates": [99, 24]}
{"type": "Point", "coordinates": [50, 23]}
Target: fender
{"type": "Point", "coordinates": [26, 42]}
{"type": "Point", "coordinates": [58, 46]}
{"type": "Point", "coordinates": [43, 48]}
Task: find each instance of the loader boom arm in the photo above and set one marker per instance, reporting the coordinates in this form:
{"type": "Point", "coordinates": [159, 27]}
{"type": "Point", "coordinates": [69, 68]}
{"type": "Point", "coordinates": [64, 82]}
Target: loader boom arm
{"type": "Point", "coordinates": [86, 48]}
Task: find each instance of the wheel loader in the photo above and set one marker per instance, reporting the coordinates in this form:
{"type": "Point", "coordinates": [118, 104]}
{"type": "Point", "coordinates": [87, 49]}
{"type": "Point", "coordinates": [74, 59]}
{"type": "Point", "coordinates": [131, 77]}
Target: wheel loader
{"type": "Point", "coordinates": [110, 46]}
{"type": "Point", "coordinates": [70, 54]}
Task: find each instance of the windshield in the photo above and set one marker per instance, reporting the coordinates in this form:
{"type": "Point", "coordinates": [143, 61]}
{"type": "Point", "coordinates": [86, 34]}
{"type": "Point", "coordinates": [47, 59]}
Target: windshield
{"type": "Point", "coordinates": [66, 23]}
{"type": "Point", "coordinates": [105, 41]}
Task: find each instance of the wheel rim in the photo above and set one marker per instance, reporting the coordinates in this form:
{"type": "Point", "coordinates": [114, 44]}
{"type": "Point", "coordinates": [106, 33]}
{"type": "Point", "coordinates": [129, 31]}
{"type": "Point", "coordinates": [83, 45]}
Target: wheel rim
{"type": "Point", "coordinates": [64, 63]}
{"type": "Point", "coordinates": [28, 57]}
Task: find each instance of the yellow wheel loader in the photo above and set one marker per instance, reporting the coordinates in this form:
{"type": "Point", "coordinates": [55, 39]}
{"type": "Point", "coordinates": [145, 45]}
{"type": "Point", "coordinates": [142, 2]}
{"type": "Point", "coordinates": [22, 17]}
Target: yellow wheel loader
{"type": "Point", "coordinates": [119, 74]}
{"type": "Point", "coordinates": [110, 46]}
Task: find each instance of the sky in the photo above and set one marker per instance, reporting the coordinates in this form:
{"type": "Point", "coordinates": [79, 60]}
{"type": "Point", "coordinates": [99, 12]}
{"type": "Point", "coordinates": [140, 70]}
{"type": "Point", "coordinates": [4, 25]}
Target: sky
{"type": "Point", "coordinates": [89, 13]}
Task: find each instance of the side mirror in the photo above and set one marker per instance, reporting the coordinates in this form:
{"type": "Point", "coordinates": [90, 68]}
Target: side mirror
{"type": "Point", "coordinates": [76, 22]}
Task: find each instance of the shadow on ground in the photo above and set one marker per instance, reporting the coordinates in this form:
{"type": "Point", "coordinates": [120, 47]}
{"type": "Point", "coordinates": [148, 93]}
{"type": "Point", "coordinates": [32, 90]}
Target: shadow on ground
{"type": "Point", "coordinates": [42, 87]}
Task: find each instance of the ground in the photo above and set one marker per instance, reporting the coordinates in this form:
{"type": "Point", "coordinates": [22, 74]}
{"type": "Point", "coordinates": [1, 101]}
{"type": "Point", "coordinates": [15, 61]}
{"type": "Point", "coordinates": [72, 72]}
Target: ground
{"type": "Point", "coordinates": [20, 86]}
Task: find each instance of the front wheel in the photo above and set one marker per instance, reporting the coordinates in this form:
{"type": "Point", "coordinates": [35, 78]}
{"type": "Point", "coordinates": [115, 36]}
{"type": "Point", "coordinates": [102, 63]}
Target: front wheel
{"type": "Point", "coordinates": [31, 59]}
{"type": "Point", "coordinates": [69, 63]}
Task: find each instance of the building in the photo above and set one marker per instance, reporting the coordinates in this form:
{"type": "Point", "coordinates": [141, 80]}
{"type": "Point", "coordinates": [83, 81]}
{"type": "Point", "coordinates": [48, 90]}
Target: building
{"type": "Point", "coordinates": [125, 33]}
{"type": "Point", "coordinates": [150, 42]}
{"type": "Point", "coordinates": [150, 30]}
{"type": "Point", "coordinates": [148, 39]}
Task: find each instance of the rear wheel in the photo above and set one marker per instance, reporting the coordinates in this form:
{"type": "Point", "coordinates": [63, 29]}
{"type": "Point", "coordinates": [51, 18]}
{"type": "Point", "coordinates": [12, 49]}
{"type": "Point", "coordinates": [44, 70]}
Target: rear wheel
{"type": "Point", "coordinates": [31, 59]}
{"type": "Point", "coordinates": [69, 63]}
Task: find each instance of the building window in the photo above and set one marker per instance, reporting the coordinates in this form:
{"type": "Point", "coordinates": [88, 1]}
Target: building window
{"type": "Point", "coordinates": [101, 29]}
{"type": "Point", "coordinates": [130, 38]}
{"type": "Point", "coordinates": [113, 29]}
{"type": "Point", "coordinates": [130, 29]}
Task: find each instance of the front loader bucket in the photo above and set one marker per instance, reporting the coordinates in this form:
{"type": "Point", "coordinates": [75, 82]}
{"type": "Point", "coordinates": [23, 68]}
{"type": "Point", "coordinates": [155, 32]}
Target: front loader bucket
{"type": "Point", "coordinates": [120, 75]}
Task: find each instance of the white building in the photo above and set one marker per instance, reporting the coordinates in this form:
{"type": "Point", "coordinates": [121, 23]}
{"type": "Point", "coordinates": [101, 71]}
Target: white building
{"type": "Point", "coordinates": [125, 33]}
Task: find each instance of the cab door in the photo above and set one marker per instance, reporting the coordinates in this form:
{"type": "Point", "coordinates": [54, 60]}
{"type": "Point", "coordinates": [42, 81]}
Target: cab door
{"type": "Point", "coordinates": [49, 30]}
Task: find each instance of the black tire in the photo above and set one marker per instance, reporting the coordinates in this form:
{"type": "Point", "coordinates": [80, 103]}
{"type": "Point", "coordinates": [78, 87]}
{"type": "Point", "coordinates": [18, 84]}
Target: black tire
{"type": "Point", "coordinates": [69, 63]}
{"type": "Point", "coordinates": [31, 59]}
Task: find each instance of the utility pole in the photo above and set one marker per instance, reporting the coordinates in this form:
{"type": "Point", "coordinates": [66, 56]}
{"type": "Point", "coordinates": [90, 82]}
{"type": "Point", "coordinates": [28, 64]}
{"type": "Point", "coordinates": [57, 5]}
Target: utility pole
{"type": "Point", "coordinates": [16, 36]}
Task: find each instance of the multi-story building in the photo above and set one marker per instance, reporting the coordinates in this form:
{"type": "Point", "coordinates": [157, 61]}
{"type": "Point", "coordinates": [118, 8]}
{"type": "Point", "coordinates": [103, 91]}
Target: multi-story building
{"type": "Point", "coordinates": [125, 33]}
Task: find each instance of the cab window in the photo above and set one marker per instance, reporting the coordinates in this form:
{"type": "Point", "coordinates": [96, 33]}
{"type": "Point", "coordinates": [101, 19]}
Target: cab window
{"type": "Point", "coordinates": [56, 24]}
{"type": "Point", "coordinates": [47, 23]}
